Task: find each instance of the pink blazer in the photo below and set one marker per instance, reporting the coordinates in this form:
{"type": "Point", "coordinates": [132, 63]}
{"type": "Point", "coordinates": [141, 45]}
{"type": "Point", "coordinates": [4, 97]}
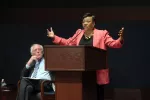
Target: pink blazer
{"type": "Point", "coordinates": [101, 39]}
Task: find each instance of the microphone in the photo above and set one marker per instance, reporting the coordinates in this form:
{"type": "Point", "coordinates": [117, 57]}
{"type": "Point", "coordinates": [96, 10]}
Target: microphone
{"type": "Point", "coordinates": [75, 36]}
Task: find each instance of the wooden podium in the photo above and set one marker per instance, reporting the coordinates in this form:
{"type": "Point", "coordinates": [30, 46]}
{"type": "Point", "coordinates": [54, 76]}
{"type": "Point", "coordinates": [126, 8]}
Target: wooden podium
{"type": "Point", "coordinates": [75, 70]}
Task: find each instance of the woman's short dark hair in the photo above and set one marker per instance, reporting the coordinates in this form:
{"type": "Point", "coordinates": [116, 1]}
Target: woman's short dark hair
{"type": "Point", "coordinates": [89, 15]}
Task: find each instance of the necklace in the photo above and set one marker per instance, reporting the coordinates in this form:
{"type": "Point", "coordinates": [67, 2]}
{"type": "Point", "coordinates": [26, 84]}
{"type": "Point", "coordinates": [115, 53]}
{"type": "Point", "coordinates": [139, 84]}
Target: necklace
{"type": "Point", "coordinates": [88, 36]}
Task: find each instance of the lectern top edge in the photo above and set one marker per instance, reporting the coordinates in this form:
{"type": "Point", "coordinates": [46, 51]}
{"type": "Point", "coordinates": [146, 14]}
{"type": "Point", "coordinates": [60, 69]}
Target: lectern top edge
{"type": "Point", "coordinates": [81, 46]}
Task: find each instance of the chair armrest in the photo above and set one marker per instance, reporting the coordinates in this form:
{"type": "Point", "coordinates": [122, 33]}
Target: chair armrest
{"type": "Point", "coordinates": [42, 85]}
{"type": "Point", "coordinates": [18, 85]}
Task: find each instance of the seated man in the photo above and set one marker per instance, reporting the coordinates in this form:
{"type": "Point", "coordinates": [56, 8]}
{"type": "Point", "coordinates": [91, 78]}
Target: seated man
{"type": "Point", "coordinates": [33, 74]}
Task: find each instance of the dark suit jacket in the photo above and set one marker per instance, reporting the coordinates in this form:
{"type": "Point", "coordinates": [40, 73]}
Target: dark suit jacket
{"type": "Point", "coordinates": [27, 73]}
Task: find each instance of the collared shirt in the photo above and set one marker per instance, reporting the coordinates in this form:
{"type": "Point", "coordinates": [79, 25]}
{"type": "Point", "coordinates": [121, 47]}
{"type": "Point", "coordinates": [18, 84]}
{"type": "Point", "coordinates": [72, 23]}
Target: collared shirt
{"type": "Point", "coordinates": [41, 73]}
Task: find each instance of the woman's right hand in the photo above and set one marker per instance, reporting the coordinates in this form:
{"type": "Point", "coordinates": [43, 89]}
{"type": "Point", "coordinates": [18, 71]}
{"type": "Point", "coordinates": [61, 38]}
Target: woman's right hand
{"type": "Point", "coordinates": [50, 33]}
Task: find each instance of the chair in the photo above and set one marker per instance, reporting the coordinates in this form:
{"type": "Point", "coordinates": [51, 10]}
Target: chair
{"type": "Point", "coordinates": [8, 92]}
{"type": "Point", "coordinates": [41, 95]}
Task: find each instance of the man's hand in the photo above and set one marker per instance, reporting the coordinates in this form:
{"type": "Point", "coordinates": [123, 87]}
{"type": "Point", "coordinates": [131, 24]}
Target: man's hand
{"type": "Point", "coordinates": [33, 58]}
{"type": "Point", "coordinates": [50, 33]}
{"type": "Point", "coordinates": [121, 33]}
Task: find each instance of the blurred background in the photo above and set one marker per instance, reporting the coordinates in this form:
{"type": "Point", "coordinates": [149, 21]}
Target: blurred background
{"type": "Point", "coordinates": [129, 66]}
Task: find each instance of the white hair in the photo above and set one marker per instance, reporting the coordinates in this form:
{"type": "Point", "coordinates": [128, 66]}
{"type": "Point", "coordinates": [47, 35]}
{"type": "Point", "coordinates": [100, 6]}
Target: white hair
{"type": "Point", "coordinates": [31, 48]}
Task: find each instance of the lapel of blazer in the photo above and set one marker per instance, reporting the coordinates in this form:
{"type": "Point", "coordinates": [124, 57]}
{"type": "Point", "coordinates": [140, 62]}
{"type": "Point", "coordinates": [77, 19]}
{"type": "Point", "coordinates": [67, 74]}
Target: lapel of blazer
{"type": "Point", "coordinates": [96, 38]}
{"type": "Point", "coordinates": [79, 37]}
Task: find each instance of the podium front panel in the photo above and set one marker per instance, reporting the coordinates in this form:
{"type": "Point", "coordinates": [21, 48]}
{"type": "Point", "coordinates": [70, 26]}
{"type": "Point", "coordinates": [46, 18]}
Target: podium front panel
{"type": "Point", "coordinates": [58, 58]}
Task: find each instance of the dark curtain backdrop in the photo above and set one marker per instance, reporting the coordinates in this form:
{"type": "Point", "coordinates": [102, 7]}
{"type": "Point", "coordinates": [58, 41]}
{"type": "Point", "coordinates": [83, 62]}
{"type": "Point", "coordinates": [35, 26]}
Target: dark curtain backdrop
{"type": "Point", "coordinates": [129, 66]}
